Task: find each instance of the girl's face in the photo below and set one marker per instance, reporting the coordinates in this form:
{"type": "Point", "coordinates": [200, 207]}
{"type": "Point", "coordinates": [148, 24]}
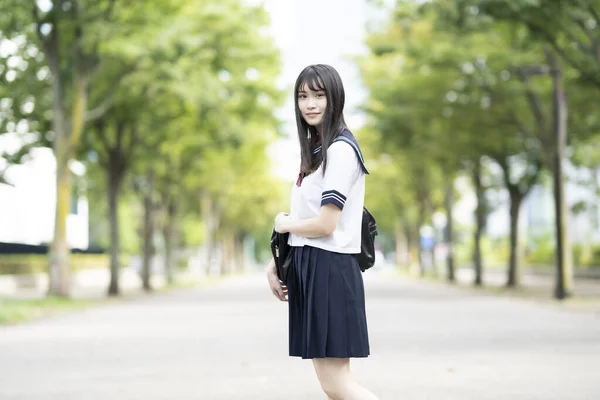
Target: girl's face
{"type": "Point", "coordinates": [312, 105]}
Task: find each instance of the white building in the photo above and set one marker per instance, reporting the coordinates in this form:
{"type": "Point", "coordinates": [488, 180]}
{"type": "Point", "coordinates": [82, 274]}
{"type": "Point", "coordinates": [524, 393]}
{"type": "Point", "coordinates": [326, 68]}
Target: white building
{"type": "Point", "coordinates": [27, 205]}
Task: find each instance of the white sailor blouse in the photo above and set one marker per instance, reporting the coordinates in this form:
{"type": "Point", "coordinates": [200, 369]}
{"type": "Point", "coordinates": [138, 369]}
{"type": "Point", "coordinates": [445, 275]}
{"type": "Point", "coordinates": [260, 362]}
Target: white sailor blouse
{"type": "Point", "coordinates": [342, 185]}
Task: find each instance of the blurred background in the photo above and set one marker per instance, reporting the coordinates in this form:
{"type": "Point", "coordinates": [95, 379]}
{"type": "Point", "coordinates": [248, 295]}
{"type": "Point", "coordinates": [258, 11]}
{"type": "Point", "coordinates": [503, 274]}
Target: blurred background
{"type": "Point", "coordinates": [145, 144]}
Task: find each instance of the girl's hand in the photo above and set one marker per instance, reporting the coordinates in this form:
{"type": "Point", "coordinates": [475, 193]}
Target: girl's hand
{"type": "Point", "coordinates": [280, 221]}
{"type": "Point", "coordinates": [279, 290]}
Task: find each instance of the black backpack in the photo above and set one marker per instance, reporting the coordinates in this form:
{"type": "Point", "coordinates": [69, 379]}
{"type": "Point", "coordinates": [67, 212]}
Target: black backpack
{"type": "Point", "coordinates": [366, 257]}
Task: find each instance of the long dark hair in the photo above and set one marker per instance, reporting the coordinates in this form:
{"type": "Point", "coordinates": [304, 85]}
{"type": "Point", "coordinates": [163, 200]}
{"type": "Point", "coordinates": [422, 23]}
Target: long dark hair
{"type": "Point", "coordinates": [326, 78]}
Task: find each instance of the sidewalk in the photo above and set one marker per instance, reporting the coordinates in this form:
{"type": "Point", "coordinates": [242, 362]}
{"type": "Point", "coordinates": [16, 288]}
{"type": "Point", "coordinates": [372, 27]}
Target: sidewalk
{"type": "Point", "coordinates": [86, 284]}
{"type": "Point", "coordinates": [532, 280]}
{"type": "Point", "coordinates": [93, 284]}
{"type": "Point", "coordinates": [548, 270]}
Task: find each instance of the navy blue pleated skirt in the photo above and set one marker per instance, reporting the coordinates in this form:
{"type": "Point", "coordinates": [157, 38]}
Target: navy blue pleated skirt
{"type": "Point", "coordinates": [326, 297]}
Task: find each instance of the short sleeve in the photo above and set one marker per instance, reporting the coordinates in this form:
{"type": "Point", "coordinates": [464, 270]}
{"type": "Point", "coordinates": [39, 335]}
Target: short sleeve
{"type": "Point", "coordinates": [341, 172]}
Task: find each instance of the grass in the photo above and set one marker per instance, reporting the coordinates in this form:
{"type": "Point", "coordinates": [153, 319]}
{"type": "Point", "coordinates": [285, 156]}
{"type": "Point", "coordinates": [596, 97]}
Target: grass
{"type": "Point", "coordinates": [20, 310]}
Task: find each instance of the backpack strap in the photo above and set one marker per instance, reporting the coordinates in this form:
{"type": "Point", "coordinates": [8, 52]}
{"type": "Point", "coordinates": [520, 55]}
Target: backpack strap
{"type": "Point", "coordinates": [348, 137]}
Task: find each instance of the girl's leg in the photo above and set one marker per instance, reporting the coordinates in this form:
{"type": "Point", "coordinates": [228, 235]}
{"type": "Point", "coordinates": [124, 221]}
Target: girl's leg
{"type": "Point", "coordinates": [337, 382]}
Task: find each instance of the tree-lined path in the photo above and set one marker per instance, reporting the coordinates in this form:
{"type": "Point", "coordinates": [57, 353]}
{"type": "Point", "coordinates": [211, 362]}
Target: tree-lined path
{"type": "Point", "coordinates": [229, 341]}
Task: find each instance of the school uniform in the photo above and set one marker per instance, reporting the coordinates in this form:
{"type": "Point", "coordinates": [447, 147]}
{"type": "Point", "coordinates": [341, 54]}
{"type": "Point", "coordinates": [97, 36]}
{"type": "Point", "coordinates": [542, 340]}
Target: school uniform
{"type": "Point", "coordinates": [327, 316]}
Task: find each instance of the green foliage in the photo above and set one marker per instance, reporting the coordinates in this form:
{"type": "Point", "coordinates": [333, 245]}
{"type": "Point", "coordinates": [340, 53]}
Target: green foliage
{"type": "Point", "coordinates": [94, 187]}
{"type": "Point", "coordinates": [185, 88]}
{"type": "Point", "coordinates": [451, 83]}
{"type": "Point", "coordinates": [129, 219]}
{"type": "Point", "coordinates": [384, 195]}
{"type": "Point", "coordinates": [543, 251]}
{"type": "Point", "coordinates": [192, 232]}
{"type": "Point", "coordinates": [496, 250]}
{"type": "Point", "coordinates": [248, 198]}
{"type": "Point", "coordinates": [586, 255]}
{"type": "Point", "coordinates": [569, 27]}
{"type": "Point", "coordinates": [208, 131]}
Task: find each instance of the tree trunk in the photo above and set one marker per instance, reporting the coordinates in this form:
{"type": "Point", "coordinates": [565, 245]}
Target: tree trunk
{"type": "Point", "coordinates": [226, 259]}
{"type": "Point", "coordinates": [211, 223]}
{"type": "Point", "coordinates": [564, 266]}
{"type": "Point", "coordinates": [59, 264]}
{"type": "Point", "coordinates": [169, 237]}
{"type": "Point", "coordinates": [419, 245]}
{"type": "Point", "coordinates": [64, 147]}
{"type": "Point", "coordinates": [240, 253]}
{"type": "Point", "coordinates": [115, 176]}
{"type": "Point", "coordinates": [480, 215]}
{"type": "Point", "coordinates": [415, 247]}
{"type": "Point", "coordinates": [59, 269]}
{"type": "Point", "coordinates": [66, 140]}
{"type": "Point", "coordinates": [448, 204]}
{"type": "Point", "coordinates": [402, 249]}
{"type": "Point", "coordinates": [596, 208]}
{"type": "Point", "coordinates": [410, 246]}
{"type": "Point", "coordinates": [231, 261]}
{"type": "Point", "coordinates": [516, 199]}
{"type": "Point", "coordinates": [424, 200]}
{"type": "Point", "coordinates": [148, 234]}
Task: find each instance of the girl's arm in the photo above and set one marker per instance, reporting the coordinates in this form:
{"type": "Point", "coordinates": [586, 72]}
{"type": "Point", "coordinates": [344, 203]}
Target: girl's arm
{"type": "Point", "coordinates": [322, 225]}
{"type": "Point", "coordinates": [342, 170]}
{"type": "Point", "coordinates": [271, 266]}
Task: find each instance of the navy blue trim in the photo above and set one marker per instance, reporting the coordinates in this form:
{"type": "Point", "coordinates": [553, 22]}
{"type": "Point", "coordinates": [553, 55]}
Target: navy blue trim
{"type": "Point", "coordinates": [348, 137]}
{"type": "Point", "coordinates": [333, 197]}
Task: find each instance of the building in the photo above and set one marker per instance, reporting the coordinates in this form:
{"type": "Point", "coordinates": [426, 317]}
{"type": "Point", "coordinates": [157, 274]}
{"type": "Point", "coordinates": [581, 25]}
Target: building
{"type": "Point", "coordinates": [27, 203]}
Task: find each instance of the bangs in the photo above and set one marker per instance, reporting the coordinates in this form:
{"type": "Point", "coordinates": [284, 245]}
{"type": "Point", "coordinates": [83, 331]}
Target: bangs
{"type": "Point", "coordinates": [311, 79]}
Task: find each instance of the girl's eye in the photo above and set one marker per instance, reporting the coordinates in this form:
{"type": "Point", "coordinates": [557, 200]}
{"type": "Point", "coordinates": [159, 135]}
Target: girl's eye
{"type": "Point", "coordinates": [320, 94]}
{"type": "Point", "coordinates": [301, 96]}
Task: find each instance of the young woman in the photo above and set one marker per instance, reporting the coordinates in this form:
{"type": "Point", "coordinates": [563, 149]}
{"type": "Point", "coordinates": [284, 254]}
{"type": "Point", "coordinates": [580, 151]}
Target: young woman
{"type": "Point", "coordinates": [325, 292]}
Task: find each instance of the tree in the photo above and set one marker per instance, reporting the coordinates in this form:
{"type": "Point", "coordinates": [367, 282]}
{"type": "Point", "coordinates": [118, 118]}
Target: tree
{"type": "Point", "coordinates": [569, 27]}
{"type": "Point", "coordinates": [70, 35]}
{"type": "Point", "coordinates": [454, 84]}
{"type": "Point", "coordinates": [162, 126]}
{"type": "Point", "coordinates": [568, 30]}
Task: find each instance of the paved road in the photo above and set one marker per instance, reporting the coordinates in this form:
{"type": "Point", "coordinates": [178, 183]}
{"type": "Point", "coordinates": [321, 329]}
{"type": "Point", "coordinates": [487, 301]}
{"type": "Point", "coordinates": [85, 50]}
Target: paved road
{"type": "Point", "coordinates": [229, 342]}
